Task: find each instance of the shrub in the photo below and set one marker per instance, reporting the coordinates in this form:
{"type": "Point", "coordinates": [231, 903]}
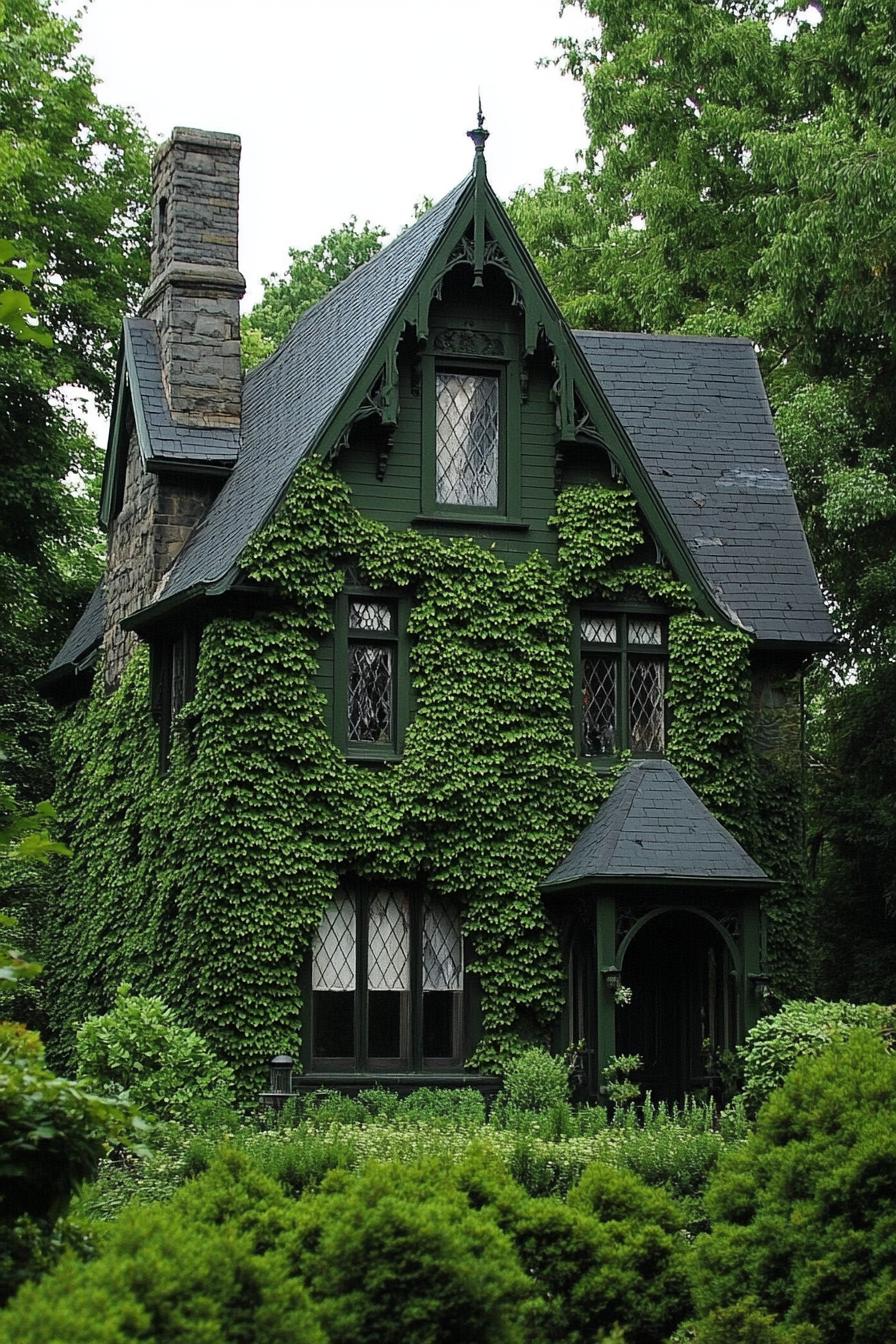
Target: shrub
{"type": "Point", "coordinates": [461, 1106]}
{"type": "Point", "coordinates": [52, 1131]}
{"type": "Point", "coordinates": [536, 1081]}
{"type": "Point", "coordinates": [397, 1254]}
{"type": "Point", "coordinates": [777, 1043]}
{"type": "Point", "coordinates": [204, 1268]}
{"type": "Point", "coordinates": [804, 1212]}
{"type": "Point", "coordinates": [167, 1070]}
{"type": "Point", "coordinates": [747, 1323]}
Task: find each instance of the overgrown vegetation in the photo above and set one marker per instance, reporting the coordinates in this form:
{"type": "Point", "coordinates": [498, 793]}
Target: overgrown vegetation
{"type": "Point", "coordinates": [206, 884]}
{"type": "Point", "coordinates": [421, 1219]}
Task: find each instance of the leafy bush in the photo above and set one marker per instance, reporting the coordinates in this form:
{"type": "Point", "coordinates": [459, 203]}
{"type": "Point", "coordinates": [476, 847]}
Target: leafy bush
{"type": "Point", "coordinates": [396, 1254]}
{"type": "Point", "coordinates": [140, 1049]}
{"type": "Point", "coordinates": [460, 1106]}
{"type": "Point", "coordinates": [203, 1268]}
{"type": "Point", "coordinates": [52, 1136]}
{"type": "Point", "coordinates": [536, 1081]}
{"type": "Point", "coordinates": [804, 1212]}
{"type": "Point", "coordinates": [777, 1043]}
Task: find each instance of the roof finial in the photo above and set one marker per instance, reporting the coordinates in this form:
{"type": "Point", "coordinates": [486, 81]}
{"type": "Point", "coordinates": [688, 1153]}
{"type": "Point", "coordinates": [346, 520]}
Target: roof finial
{"type": "Point", "coordinates": [480, 135]}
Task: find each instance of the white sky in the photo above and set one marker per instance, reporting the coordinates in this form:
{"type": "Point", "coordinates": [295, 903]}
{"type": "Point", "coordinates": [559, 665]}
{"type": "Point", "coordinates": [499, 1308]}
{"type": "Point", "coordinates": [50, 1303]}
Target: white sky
{"type": "Point", "coordinates": [357, 108]}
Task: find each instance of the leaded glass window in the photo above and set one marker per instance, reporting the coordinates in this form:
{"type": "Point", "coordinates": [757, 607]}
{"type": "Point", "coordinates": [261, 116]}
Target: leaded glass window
{"type": "Point", "coordinates": [371, 664]}
{"type": "Point", "coordinates": [646, 712]}
{"type": "Point", "coordinates": [599, 704]}
{"type": "Point", "coordinates": [333, 975]}
{"type": "Point", "coordinates": [364, 615]}
{"type": "Point", "coordinates": [443, 977]}
{"type": "Point", "coordinates": [409, 963]}
{"type": "Point", "coordinates": [622, 683]}
{"type": "Point", "coordinates": [371, 674]}
{"type": "Point", "coordinates": [467, 439]}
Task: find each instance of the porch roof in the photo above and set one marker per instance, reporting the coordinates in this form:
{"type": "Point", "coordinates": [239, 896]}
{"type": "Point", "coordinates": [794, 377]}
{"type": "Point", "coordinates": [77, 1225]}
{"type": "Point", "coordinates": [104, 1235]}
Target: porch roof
{"type": "Point", "coordinates": [654, 828]}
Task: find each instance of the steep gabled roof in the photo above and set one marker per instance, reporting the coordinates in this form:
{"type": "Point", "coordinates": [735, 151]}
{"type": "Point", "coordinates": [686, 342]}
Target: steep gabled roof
{"type": "Point", "coordinates": [76, 654]}
{"type": "Point", "coordinates": [289, 398]}
{"type": "Point", "coordinates": [653, 827]}
{"type": "Point", "coordinates": [696, 411]}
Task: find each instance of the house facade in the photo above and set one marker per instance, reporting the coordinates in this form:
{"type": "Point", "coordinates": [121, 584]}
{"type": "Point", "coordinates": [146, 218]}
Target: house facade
{"type": "Point", "coordinates": [443, 689]}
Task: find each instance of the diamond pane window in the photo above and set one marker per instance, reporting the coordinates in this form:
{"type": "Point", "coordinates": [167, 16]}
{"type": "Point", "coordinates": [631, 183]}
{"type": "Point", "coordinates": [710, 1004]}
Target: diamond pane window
{"type": "Point", "coordinates": [370, 616]}
{"type": "Point", "coordinates": [646, 718]}
{"type": "Point", "coordinates": [370, 686]}
{"type": "Point", "coordinates": [333, 949]}
{"type": "Point", "coordinates": [599, 629]}
{"type": "Point", "coordinates": [467, 439]}
{"type": "Point", "coordinates": [388, 940]}
{"type": "Point", "coordinates": [443, 959]}
{"type": "Point", "coordinates": [643, 631]}
{"type": "Point", "coordinates": [598, 705]}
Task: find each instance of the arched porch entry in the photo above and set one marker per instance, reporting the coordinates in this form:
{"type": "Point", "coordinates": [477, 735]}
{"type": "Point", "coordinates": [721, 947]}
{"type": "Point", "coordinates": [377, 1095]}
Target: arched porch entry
{"type": "Point", "coordinates": [657, 897]}
{"type": "Point", "coordinates": [682, 968]}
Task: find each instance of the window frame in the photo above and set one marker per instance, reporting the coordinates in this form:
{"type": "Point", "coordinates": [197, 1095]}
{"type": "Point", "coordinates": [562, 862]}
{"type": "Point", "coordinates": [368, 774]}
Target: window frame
{"type": "Point", "coordinates": [623, 650]}
{"type": "Point", "coordinates": [361, 1062]}
{"type": "Point", "coordinates": [402, 706]}
{"type": "Point", "coordinates": [506, 370]}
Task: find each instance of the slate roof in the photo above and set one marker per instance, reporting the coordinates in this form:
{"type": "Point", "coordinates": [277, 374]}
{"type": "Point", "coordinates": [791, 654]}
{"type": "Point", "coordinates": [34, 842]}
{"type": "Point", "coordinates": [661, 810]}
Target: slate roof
{"type": "Point", "coordinates": [697, 414]}
{"type": "Point", "coordinates": [82, 641]}
{"type": "Point", "coordinates": [654, 826]}
{"type": "Point", "coordinates": [160, 439]}
{"type": "Point", "coordinates": [288, 399]}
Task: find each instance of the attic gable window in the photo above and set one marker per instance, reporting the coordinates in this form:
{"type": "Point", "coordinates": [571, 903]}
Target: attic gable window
{"type": "Point", "coordinates": [467, 438]}
{"type": "Point", "coordinates": [622, 683]}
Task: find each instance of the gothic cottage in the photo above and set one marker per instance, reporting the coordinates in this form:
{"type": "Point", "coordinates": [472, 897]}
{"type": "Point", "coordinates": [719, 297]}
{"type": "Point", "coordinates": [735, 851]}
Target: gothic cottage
{"type": "Point", "coordinates": [443, 689]}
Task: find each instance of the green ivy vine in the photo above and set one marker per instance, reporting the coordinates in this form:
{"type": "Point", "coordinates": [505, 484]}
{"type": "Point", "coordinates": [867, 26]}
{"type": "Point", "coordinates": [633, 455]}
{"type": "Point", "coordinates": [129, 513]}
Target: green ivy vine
{"type": "Point", "coordinates": [206, 883]}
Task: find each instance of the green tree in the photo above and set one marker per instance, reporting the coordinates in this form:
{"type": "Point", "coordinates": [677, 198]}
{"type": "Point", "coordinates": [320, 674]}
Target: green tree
{"type": "Point", "coordinates": [312, 273]}
{"type": "Point", "coordinates": [73, 186]}
{"type": "Point", "coordinates": [740, 179]}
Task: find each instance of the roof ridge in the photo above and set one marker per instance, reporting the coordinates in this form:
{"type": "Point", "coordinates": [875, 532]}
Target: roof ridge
{"type": "Point", "coordinates": [695, 337]}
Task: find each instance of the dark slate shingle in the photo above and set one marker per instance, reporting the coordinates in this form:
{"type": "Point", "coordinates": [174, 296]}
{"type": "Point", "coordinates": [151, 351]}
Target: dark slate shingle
{"type": "Point", "coordinates": [698, 417]}
{"type": "Point", "coordinates": [161, 440]}
{"type": "Point", "coordinates": [84, 638]}
{"type": "Point", "coordinates": [653, 825]}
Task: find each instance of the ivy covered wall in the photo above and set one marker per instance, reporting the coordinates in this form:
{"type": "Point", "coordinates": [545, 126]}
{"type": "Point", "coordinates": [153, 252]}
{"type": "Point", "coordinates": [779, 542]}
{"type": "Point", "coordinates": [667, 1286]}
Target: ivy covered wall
{"type": "Point", "coordinates": [207, 883]}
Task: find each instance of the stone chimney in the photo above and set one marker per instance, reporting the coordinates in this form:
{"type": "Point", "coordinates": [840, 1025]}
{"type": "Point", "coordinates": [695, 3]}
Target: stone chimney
{"type": "Point", "coordinates": [195, 285]}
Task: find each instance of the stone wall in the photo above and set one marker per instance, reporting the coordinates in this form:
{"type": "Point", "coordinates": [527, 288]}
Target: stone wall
{"type": "Point", "coordinates": [156, 518]}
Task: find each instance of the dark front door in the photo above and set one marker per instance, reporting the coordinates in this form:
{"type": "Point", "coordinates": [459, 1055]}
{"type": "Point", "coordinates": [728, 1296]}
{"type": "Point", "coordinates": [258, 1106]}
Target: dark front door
{"type": "Point", "coordinates": [683, 1011]}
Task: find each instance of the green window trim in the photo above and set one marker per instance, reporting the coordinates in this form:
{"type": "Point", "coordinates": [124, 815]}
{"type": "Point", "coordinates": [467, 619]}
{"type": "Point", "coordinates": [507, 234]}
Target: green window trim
{"type": "Point", "coordinates": [464, 1011]}
{"type": "Point", "coordinates": [622, 655]}
{"type": "Point", "coordinates": [507, 372]}
{"type": "Point", "coordinates": [346, 637]}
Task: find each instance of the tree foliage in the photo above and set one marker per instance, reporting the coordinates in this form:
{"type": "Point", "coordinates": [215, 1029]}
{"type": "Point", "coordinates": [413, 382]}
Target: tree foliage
{"type": "Point", "coordinates": [73, 185]}
{"type": "Point", "coordinates": [312, 273]}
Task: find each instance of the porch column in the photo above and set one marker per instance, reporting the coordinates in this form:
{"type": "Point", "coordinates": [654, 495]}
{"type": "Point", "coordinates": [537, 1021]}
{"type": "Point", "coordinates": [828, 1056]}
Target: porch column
{"type": "Point", "coordinates": [605, 934]}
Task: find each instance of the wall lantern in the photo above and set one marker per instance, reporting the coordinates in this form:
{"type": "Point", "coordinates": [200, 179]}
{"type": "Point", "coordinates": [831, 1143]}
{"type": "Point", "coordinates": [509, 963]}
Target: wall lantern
{"type": "Point", "coordinates": [762, 987]}
{"type": "Point", "coordinates": [281, 1075]}
{"type": "Point", "coordinates": [612, 978]}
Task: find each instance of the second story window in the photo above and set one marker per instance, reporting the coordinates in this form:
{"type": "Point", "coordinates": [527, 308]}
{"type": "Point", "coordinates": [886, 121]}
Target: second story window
{"type": "Point", "coordinates": [372, 648]}
{"type": "Point", "coordinates": [622, 665]}
{"type": "Point", "coordinates": [467, 439]}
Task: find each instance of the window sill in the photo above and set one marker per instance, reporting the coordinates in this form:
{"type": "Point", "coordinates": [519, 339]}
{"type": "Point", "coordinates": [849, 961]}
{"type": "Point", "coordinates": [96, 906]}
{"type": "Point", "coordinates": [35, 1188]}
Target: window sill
{"type": "Point", "coordinates": [395, 1082]}
{"type": "Point", "coordinates": [462, 520]}
{"type": "Point", "coordinates": [372, 757]}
